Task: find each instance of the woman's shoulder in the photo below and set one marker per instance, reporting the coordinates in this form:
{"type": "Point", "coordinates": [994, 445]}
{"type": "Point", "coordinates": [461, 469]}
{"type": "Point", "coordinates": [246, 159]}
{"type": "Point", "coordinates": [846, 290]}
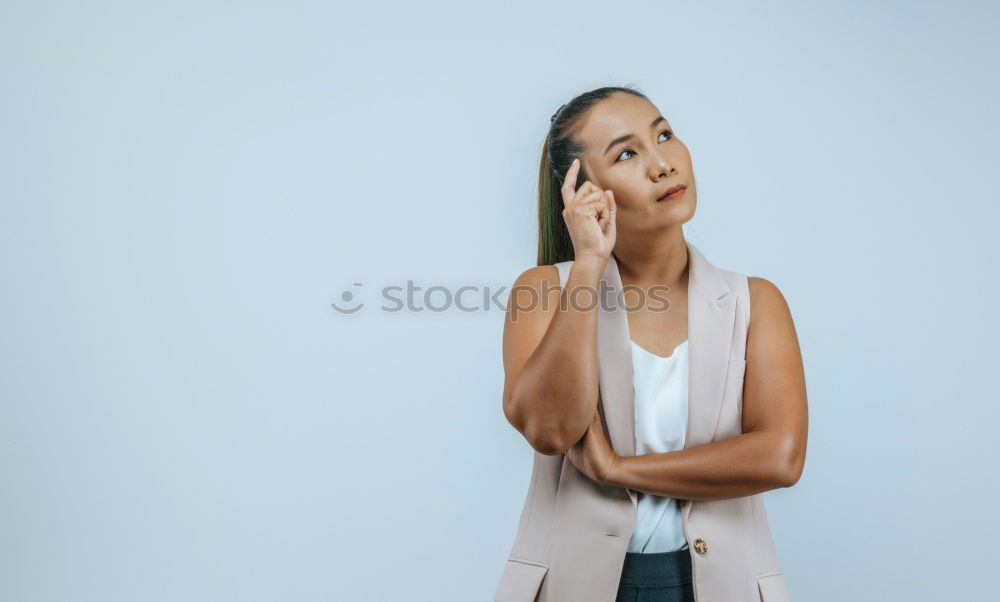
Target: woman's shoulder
{"type": "Point", "coordinates": [535, 292]}
{"type": "Point", "coordinates": [539, 279]}
{"type": "Point", "coordinates": [762, 288]}
{"type": "Point", "coordinates": [766, 300]}
{"type": "Point", "coordinates": [757, 285]}
{"type": "Point", "coordinates": [538, 274]}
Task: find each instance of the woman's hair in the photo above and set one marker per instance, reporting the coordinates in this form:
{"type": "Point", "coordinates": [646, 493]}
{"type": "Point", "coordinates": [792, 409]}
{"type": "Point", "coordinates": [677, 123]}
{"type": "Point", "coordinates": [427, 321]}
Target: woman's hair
{"type": "Point", "coordinates": [560, 148]}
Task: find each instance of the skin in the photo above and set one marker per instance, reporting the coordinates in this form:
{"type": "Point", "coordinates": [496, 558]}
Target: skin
{"type": "Point", "coordinates": [550, 353]}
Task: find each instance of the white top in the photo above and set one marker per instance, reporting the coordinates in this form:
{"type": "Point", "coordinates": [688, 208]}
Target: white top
{"type": "Point", "coordinates": [661, 414]}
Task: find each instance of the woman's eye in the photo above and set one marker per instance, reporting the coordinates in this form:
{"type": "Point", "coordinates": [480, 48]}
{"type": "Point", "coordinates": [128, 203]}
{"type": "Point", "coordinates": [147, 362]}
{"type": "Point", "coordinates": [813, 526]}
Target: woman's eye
{"type": "Point", "coordinates": [628, 150]}
{"type": "Point", "coordinates": [623, 152]}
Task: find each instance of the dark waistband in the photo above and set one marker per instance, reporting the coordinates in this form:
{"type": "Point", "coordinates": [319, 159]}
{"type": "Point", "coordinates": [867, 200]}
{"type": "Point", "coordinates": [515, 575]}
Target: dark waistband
{"type": "Point", "coordinates": [657, 568]}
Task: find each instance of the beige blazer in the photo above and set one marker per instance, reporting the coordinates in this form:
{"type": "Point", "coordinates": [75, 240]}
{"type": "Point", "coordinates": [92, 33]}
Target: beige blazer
{"type": "Point", "coordinates": [573, 532]}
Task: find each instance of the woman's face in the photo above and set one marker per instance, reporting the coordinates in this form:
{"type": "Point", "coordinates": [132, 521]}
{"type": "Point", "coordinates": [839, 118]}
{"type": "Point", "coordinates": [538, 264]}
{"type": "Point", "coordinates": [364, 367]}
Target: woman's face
{"type": "Point", "coordinates": [638, 169]}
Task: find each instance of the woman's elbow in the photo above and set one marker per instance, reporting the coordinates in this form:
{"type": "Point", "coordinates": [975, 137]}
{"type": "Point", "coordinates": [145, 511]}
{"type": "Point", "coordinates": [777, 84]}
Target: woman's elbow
{"type": "Point", "coordinates": [790, 463]}
{"type": "Point", "coordinates": [544, 439]}
{"type": "Point", "coordinates": [541, 435]}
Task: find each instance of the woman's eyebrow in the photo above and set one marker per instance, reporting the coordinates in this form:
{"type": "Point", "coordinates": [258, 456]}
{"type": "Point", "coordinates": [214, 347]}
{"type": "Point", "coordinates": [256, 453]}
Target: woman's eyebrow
{"type": "Point", "coordinates": [621, 139]}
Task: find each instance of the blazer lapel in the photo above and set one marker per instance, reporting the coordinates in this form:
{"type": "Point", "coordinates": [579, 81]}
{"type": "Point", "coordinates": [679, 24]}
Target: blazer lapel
{"type": "Point", "coordinates": [711, 319]}
{"type": "Point", "coordinates": [614, 355]}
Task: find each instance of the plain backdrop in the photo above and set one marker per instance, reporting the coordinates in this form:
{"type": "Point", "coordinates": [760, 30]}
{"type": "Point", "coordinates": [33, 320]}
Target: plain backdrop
{"type": "Point", "coordinates": [186, 187]}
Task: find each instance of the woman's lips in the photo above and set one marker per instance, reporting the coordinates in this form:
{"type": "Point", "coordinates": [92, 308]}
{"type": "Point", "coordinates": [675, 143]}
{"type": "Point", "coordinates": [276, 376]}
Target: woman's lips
{"type": "Point", "coordinates": [677, 193]}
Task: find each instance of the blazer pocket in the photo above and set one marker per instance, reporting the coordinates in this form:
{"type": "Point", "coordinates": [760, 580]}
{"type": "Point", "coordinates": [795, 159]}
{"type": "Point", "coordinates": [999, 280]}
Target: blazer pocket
{"type": "Point", "coordinates": [772, 588]}
{"type": "Point", "coordinates": [520, 581]}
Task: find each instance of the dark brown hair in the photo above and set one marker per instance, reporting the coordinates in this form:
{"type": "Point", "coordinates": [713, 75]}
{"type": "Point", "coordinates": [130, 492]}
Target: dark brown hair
{"type": "Point", "coordinates": [560, 148]}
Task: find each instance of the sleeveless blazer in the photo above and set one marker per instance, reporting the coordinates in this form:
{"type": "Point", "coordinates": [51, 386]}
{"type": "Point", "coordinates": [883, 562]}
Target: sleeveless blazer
{"type": "Point", "coordinates": [573, 532]}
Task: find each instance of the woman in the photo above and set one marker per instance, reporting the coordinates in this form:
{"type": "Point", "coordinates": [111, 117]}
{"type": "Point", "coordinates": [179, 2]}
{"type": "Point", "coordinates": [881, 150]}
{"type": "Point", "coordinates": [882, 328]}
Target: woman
{"type": "Point", "coordinates": [703, 411]}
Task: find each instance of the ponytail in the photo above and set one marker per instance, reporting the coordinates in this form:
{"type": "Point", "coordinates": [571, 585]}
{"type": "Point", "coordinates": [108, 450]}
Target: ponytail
{"type": "Point", "coordinates": [561, 146]}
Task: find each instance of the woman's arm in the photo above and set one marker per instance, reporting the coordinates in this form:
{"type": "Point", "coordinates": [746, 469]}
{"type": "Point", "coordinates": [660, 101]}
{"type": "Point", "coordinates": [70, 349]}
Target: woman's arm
{"type": "Point", "coordinates": [550, 355]}
{"type": "Point", "coordinates": [772, 449]}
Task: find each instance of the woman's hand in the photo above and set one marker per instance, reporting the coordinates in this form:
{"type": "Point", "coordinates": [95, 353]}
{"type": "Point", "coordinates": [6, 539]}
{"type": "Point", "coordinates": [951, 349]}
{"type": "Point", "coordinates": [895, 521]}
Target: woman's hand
{"type": "Point", "coordinates": [592, 454]}
{"type": "Point", "coordinates": [589, 214]}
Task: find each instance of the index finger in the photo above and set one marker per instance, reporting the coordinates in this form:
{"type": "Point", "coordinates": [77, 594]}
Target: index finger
{"type": "Point", "coordinates": [569, 182]}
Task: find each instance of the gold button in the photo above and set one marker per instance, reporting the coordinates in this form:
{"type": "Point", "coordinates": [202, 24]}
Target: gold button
{"type": "Point", "coordinates": [700, 546]}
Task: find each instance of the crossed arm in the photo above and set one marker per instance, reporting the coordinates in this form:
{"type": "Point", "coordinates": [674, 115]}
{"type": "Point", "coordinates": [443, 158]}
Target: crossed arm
{"type": "Point", "coordinates": [551, 394]}
{"type": "Point", "coordinates": [770, 453]}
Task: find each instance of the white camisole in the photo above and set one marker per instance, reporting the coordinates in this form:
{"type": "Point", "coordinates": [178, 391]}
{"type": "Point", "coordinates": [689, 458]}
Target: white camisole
{"type": "Point", "coordinates": [661, 413]}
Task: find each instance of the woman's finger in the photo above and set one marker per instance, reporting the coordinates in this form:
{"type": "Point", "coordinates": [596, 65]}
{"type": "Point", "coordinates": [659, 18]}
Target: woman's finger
{"type": "Point", "coordinates": [604, 215]}
{"type": "Point", "coordinates": [569, 182]}
{"type": "Point", "coordinates": [584, 200]}
{"type": "Point", "coordinates": [586, 188]}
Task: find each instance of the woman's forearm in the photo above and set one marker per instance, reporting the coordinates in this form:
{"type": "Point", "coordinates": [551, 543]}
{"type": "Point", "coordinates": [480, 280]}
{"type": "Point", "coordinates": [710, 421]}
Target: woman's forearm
{"type": "Point", "coordinates": [739, 466]}
{"type": "Point", "coordinates": [556, 391]}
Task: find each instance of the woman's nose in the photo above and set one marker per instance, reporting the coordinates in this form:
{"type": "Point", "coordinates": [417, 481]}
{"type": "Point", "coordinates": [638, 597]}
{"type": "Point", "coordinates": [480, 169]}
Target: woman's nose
{"type": "Point", "coordinates": [661, 164]}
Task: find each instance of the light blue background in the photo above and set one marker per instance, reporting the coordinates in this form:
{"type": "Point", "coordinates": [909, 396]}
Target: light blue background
{"type": "Point", "coordinates": [187, 186]}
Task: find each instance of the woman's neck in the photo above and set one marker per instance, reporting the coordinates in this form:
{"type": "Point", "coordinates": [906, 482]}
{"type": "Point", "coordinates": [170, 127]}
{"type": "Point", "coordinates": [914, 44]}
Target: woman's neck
{"type": "Point", "coordinates": [659, 260]}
